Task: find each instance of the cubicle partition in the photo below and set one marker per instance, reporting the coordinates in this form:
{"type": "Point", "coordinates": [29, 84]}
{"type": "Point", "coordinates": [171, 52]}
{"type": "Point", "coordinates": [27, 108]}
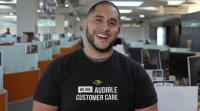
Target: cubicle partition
{"type": "Point", "coordinates": [3, 100]}
{"type": "Point", "coordinates": [56, 49]}
{"type": "Point", "coordinates": [177, 98]}
{"type": "Point", "coordinates": [44, 53]}
{"type": "Point", "coordinates": [20, 72]}
{"type": "Point", "coordinates": [3, 93]}
{"type": "Point", "coordinates": [1, 71]}
{"type": "Point", "coordinates": [67, 46]}
{"type": "Point", "coordinates": [8, 39]}
{"type": "Point", "coordinates": [175, 49]}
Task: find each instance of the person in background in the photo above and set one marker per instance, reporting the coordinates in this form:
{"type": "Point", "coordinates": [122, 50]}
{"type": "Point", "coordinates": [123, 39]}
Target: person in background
{"type": "Point", "coordinates": [146, 42]}
{"type": "Point", "coordinates": [8, 31]}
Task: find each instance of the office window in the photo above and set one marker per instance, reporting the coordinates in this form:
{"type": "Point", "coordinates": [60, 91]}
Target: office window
{"type": "Point", "coordinates": [49, 23]}
{"type": "Point", "coordinates": [7, 23]}
{"type": "Point", "coordinates": [191, 27]}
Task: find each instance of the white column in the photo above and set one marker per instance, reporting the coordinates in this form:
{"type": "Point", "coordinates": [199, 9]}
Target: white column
{"type": "Point", "coordinates": [72, 29]}
{"type": "Point", "coordinates": [146, 28]}
{"type": "Point", "coordinates": [26, 16]}
{"type": "Point", "coordinates": [59, 19]}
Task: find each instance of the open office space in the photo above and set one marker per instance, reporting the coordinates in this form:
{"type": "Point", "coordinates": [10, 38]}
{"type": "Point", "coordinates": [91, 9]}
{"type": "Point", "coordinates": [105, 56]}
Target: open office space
{"type": "Point", "coordinates": [163, 36]}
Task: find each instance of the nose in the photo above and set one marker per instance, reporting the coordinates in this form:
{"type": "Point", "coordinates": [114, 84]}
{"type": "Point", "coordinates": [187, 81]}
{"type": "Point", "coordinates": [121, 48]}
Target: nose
{"type": "Point", "coordinates": [105, 27]}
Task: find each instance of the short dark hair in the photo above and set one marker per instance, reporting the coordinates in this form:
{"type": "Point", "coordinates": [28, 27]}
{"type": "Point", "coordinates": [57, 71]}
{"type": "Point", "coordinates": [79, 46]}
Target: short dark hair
{"type": "Point", "coordinates": [92, 9]}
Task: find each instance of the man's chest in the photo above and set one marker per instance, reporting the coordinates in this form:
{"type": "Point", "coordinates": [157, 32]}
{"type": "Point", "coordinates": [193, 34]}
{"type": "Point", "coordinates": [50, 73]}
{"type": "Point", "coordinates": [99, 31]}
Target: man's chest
{"type": "Point", "coordinates": [105, 89]}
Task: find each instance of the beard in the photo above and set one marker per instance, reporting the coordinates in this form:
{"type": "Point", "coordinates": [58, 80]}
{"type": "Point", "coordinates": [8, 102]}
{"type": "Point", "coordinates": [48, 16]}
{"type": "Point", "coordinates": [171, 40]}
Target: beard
{"type": "Point", "coordinates": [91, 41]}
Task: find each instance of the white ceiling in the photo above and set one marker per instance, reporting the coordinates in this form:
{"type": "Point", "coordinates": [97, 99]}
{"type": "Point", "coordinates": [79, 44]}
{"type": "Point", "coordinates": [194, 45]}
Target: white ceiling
{"type": "Point", "coordinates": [150, 8]}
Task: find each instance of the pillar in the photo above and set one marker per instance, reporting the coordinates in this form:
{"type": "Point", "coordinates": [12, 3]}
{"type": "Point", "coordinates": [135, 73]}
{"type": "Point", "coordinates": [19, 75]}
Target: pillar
{"type": "Point", "coordinates": [59, 19]}
{"type": "Point", "coordinates": [26, 16]}
{"type": "Point", "coordinates": [146, 29]}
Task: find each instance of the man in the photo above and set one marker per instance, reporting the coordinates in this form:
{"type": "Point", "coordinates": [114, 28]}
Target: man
{"type": "Point", "coordinates": [28, 50]}
{"type": "Point", "coordinates": [96, 78]}
{"type": "Point", "coordinates": [8, 31]}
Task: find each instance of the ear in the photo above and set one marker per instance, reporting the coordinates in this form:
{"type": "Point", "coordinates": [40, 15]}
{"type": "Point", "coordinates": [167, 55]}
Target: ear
{"type": "Point", "coordinates": [85, 25]}
{"type": "Point", "coordinates": [118, 31]}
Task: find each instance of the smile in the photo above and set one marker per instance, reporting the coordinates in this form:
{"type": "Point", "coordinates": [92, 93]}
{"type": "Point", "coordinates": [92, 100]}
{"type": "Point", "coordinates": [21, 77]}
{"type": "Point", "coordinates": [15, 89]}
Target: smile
{"type": "Point", "coordinates": [102, 36]}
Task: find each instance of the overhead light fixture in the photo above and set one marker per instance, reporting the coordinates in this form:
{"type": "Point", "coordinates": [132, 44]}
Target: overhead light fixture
{"type": "Point", "coordinates": [125, 11]}
{"type": "Point", "coordinates": [11, 13]}
{"type": "Point", "coordinates": [127, 3]}
{"type": "Point", "coordinates": [38, 10]}
{"type": "Point", "coordinates": [123, 17]}
{"type": "Point", "coordinates": [66, 5]}
{"type": "Point", "coordinates": [127, 19]}
{"type": "Point", "coordinates": [142, 16]}
{"type": "Point", "coordinates": [78, 19]}
{"type": "Point", "coordinates": [8, 2]}
{"type": "Point", "coordinates": [175, 2]}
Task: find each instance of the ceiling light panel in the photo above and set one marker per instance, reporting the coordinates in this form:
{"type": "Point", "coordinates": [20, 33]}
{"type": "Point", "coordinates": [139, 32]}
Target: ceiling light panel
{"type": "Point", "coordinates": [8, 2]}
{"type": "Point", "coordinates": [127, 3]}
{"type": "Point", "coordinates": [175, 2]}
{"type": "Point", "coordinates": [125, 11]}
{"type": "Point", "coordinates": [142, 16]}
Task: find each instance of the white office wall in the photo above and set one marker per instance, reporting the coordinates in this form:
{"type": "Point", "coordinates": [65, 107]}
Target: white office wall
{"type": "Point", "coordinates": [59, 19]}
{"type": "Point", "coordinates": [77, 30]}
{"type": "Point", "coordinates": [42, 30]}
{"type": "Point", "coordinates": [73, 28]}
{"type": "Point", "coordinates": [132, 33]}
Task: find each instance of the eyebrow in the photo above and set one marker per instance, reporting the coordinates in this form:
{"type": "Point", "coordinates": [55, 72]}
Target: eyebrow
{"type": "Point", "coordinates": [99, 16]}
{"type": "Point", "coordinates": [103, 17]}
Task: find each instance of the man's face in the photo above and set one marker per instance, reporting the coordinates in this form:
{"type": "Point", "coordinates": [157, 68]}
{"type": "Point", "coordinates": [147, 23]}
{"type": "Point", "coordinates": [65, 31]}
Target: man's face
{"type": "Point", "coordinates": [28, 48]}
{"type": "Point", "coordinates": [102, 27]}
{"type": "Point", "coordinates": [8, 30]}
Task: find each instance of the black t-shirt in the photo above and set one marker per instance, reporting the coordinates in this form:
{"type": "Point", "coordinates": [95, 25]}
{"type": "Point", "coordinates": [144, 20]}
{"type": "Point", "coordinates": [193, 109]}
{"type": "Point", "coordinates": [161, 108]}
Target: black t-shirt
{"type": "Point", "coordinates": [74, 83]}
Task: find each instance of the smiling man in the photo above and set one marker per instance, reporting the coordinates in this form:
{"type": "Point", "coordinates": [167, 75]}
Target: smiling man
{"type": "Point", "coordinates": [96, 77]}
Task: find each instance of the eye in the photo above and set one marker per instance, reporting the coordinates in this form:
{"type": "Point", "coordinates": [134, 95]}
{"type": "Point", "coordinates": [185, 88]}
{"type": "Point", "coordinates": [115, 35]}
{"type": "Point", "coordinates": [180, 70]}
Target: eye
{"type": "Point", "coordinates": [98, 20]}
{"type": "Point", "coordinates": [112, 23]}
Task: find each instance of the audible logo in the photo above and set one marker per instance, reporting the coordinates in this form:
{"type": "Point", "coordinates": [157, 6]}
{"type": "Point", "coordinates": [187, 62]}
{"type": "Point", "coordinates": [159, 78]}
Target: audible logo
{"type": "Point", "coordinates": [97, 82]}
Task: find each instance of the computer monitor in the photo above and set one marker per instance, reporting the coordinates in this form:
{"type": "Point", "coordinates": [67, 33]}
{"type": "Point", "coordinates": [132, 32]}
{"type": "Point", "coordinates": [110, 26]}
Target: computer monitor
{"type": "Point", "coordinates": [145, 56]}
{"type": "Point", "coordinates": [155, 57]}
{"type": "Point", "coordinates": [164, 62]}
{"type": "Point", "coordinates": [193, 70]}
{"type": "Point", "coordinates": [178, 64]}
{"type": "Point", "coordinates": [136, 54]}
{"type": "Point", "coordinates": [124, 44]}
{"type": "Point", "coordinates": [118, 41]}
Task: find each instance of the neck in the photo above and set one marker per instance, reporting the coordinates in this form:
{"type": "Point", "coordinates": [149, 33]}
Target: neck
{"type": "Point", "coordinates": [93, 53]}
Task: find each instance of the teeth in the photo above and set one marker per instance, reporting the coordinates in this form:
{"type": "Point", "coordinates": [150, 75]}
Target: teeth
{"type": "Point", "coordinates": [101, 35]}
